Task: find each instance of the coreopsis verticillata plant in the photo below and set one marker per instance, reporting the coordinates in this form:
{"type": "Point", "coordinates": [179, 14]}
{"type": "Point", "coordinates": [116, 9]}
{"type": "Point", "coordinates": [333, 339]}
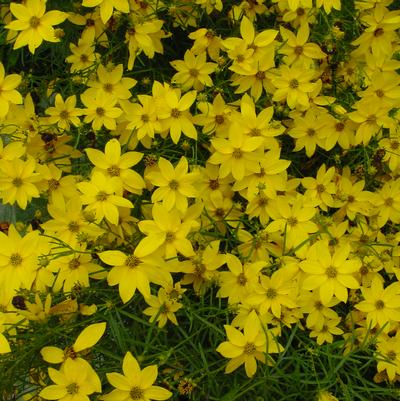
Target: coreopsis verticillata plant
{"type": "Point", "coordinates": [100, 110]}
{"type": "Point", "coordinates": [107, 7]}
{"type": "Point", "coordinates": [64, 113]}
{"type": "Point", "coordinates": [142, 117]}
{"type": "Point", "coordinates": [271, 293]}
{"type": "Point", "coordinates": [332, 274]}
{"type": "Point", "coordinates": [176, 185]}
{"type": "Point", "coordinates": [135, 383]}
{"type": "Point", "coordinates": [247, 347]}
{"type": "Point", "coordinates": [297, 50]}
{"type": "Point", "coordinates": [144, 36]}
{"type": "Point", "coordinates": [34, 23]}
{"type": "Point", "coordinates": [381, 305]}
{"type": "Point", "coordinates": [162, 308]}
{"type": "Point", "coordinates": [88, 337]}
{"type": "Point", "coordinates": [166, 234]}
{"type": "Point", "coordinates": [74, 269]}
{"type": "Point", "coordinates": [83, 54]}
{"type": "Point", "coordinates": [173, 112]}
{"type": "Point", "coordinates": [387, 353]}
{"type": "Point", "coordinates": [112, 163]}
{"type": "Point", "coordinates": [294, 221]}
{"type": "Point", "coordinates": [18, 259]}
{"type": "Point", "coordinates": [111, 83]}
{"type": "Point", "coordinates": [379, 35]}
{"type": "Point", "coordinates": [73, 381]}
{"type": "Point", "coordinates": [18, 181]}
{"type": "Point", "coordinates": [241, 279]}
{"type": "Point", "coordinates": [193, 71]}
{"type": "Point", "coordinates": [238, 155]}
{"type": "Point", "coordinates": [102, 196]}
{"type": "Point", "coordinates": [8, 93]}
{"type": "Point", "coordinates": [68, 222]}
{"type": "Point", "coordinates": [215, 116]}
{"type": "Point", "coordinates": [293, 85]}
{"type": "Point", "coordinates": [131, 272]}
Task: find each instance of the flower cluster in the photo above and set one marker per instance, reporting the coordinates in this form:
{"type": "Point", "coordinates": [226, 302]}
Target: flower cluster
{"type": "Point", "coordinates": [260, 164]}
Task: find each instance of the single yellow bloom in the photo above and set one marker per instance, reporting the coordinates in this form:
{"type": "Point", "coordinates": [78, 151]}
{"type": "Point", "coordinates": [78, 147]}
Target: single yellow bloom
{"type": "Point", "coordinates": [34, 23]}
{"type": "Point", "coordinates": [8, 94]}
{"type": "Point", "coordinates": [107, 7]}
{"type": "Point", "coordinates": [135, 384]}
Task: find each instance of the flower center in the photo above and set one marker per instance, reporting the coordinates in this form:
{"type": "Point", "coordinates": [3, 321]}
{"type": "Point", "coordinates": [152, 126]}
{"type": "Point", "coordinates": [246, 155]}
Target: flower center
{"type": "Point", "coordinates": [174, 185]}
{"type": "Point", "coordinates": [331, 272]}
{"type": "Point", "coordinates": [102, 196]}
{"type": "Point", "coordinates": [241, 279]}
{"type": "Point", "coordinates": [213, 184]}
{"type": "Point", "coordinates": [379, 304]}
{"type": "Point", "coordinates": [170, 237]}
{"type": "Point", "coordinates": [132, 261]}
{"type": "Point", "coordinates": [72, 388]}
{"type": "Point", "coordinates": [136, 393]}
{"type": "Point", "coordinates": [249, 349]}
{"type": "Point", "coordinates": [73, 226]}
{"type": "Point", "coordinates": [237, 154]}
{"type": "Point", "coordinates": [74, 263]}
{"type": "Point", "coordinates": [294, 84]}
{"type": "Point", "coordinates": [193, 72]}
{"type": "Point", "coordinates": [15, 259]}
{"type": "Point", "coordinates": [298, 50]}
{"type": "Point", "coordinates": [17, 182]}
{"type": "Point", "coordinates": [175, 113]}
{"type": "Point", "coordinates": [271, 293]}
{"type": "Point", "coordinates": [53, 184]}
{"type": "Point", "coordinates": [64, 115]}
{"type": "Point", "coordinates": [108, 87]}
{"type": "Point", "coordinates": [113, 171]}
{"type": "Point", "coordinates": [100, 111]}
{"type": "Point", "coordinates": [34, 22]}
{"type": "Point", "coordinates": [145, 118]}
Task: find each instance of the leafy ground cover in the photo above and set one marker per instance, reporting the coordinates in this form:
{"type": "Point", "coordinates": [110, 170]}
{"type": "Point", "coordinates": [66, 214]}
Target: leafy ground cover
{"type": "Point", "coordinates": [200, 200]}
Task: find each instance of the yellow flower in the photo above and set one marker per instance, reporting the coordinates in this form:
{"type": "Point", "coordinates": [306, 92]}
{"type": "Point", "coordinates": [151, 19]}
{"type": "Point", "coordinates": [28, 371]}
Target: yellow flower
{"type": "Point", "coordinates": [294, 85]}
{"type": "Point", "coordinates": [144, 36]}
{"type": "Point", "coordinates": [382, 305]}
{"type": "Point", "coordinates": [326, 396]}
{"type": "Point", "coordinates": [72, 382]}
{"type": "Point", "coordinates": [112, 164]}
{"type": "Point", "coordinates": [107, 7]}
{"type": "Point", "coordinates": [83, 55]}
{"type": "Point", "coordinates": [135, 384]}
{"type": "Point", "coordinates": [142, 117]}
{"type": "Point", "coordinates": [89, 336]}
{"type": "Point", "coordinates": [162, 308]}
{"type": "Point", "coordinates": [131, 272]}
{"type": "Point", "coordinates": [380, 33]}
{"type": "Point", "coordinates": [175, 184]}
{"type": "Point", "coordinates": [68, 223]}
{"type": "Point", "coordinates": [17, 179]}
{"type": "Point", "coordinates": [332, 274]}
{"type": "Point", "coordinates": [274, 292]}
{"type": "Point", "coordinates": [296, 49]}
{"type": "Point", "coordinates": [325, 331]}
{"type": "Point", "coordinates": [166, 233]}
{"type": "Point", "coordinates": [206, 40]}
{"type": "Point", "coordinates": [34, 23]}
{"type": "Point", "coordinates": [100, 110]}
{"type": "Point", "coordinates": [193, 71]}
{"type": "Point", "coordinates": [328, 5]}
{"type": "Point", "coordinates": [64, 113]}
{"type": "Point", "coordinates": [247, 347]}
{"type": "Point", "coordinates": [238, 155]}
{"type": "Point", "coordinates": [74, 269]}
{"type": "Point", "coordinates": [241, 279]}
{"type": "Point", "coordinates": [294, 222]}
{"type": "Point", "coordinates": [388, 356]}
{"type": "Point", "coordinates": [102, 195]}
{"type": "Point", "coordinates": [110, 81]}
{"type": "Point", "coordinates": [174, 114]}
{"type": "Point", "coordinates": [371, 117]}
{"type": "Point", "coordinates": [18, 260]}
{"type": "Point", "coordinates": [8, 94]}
